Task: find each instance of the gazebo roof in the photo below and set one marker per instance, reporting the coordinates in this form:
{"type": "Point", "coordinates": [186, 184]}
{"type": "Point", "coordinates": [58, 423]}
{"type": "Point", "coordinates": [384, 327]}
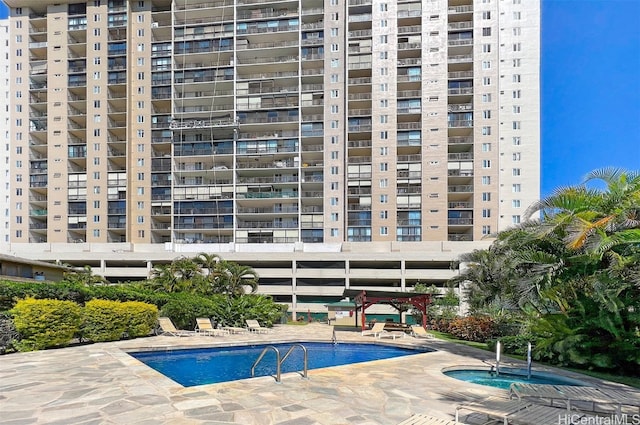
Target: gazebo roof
{"type": "Point", "coordinates": [391, 296]}
{"type": "Point", "coordinates": [364, 299]}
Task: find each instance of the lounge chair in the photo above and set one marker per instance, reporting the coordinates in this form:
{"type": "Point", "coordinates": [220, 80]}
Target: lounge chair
{"type": "Point", "coordinates": [168, 328]}
{"type": "Point", "coordinates": [418, 331]}
{"type": "Point", "coordinates": [375, 330]}
{"type": "Point", "coordinates": [204, 327]}
{"type": "Point", "coordinates": [583, 398]}
{"type": "Point", "coordinates": [234, 330]}
{"type": "Point", "coordinates": [517, 412]}
{"type": "Point", "coordinates": [419, 419]}
{"type": "Point", "coordinates": [254, 326]}
{"type": "Point", "coordinates": [391, 334]}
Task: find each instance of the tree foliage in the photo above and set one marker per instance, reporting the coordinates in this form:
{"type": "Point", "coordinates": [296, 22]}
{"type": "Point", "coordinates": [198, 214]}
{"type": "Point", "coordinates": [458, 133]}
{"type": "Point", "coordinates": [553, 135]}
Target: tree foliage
{"type": "Point", "coordinates": [572, 272]}
{"type": "Point", "coordinates": [205, 274]}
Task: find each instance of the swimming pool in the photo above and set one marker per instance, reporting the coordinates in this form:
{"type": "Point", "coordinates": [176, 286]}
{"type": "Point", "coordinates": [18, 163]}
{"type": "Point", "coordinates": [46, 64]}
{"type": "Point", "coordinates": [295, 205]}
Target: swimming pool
{"type": "Point", "coordinates": [201, 366]}
{"type": "Point", "coordinates": [508, 376]}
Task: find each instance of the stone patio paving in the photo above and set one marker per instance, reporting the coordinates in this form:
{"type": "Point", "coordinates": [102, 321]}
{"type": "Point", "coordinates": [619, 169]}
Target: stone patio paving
{"type": "Point", "coordinates": [102, 384]}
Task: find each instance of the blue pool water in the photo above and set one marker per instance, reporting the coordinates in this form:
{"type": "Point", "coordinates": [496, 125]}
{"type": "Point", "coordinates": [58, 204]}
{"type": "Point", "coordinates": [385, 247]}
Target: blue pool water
{"type": "Point", "coordinates": [508, 377]}
{"type": "Point", "coordinates": [221, 364]}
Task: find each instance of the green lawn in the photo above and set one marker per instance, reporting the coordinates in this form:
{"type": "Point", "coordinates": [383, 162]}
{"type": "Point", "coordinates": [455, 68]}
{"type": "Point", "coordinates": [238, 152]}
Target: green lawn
{"type": "Point", "coordinates": [632, 381]}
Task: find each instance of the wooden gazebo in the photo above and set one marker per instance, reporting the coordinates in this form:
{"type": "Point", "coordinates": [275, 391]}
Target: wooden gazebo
{"type": "Point", "coordinates": [363, 299]}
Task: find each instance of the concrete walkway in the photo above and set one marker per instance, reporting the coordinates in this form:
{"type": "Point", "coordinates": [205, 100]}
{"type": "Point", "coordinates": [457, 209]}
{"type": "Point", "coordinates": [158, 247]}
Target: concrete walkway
{"type": "Point", "coordinates": [102, 384]}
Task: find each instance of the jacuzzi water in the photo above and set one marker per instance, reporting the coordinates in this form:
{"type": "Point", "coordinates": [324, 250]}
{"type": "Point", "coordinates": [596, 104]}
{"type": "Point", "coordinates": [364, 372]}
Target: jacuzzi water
{"type": "Point", "coordinates": [201, 366]}
{"type": "Point", "coordinates": [507, 377]}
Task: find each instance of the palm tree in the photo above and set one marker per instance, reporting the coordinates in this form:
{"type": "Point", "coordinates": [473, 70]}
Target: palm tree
{"type": "Point", "coordinates": [84, 277]}
{"type": "Point", "coordinates": [234, 278]}
{"type": "Point", "coordinates": [162, 278]}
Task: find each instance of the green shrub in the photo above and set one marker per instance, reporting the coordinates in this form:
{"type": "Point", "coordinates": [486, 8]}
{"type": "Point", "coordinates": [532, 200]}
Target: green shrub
{"type": "Point", "coordinates": [474, 328]}
{"type": "Point", "coordinates": [514, 344]}
{"type": "Point", "coordinates": [141, 318]}
{"type": "Point", "coordinates": [45, 323]}
{"type": "Point", "coordinates": [184, 308]}
{"type": "Point", "coordinates": [8, 334]}
{"type": "Point", "coordinates": [103, 320]}
{"type": "Point", "coordinates": [106, 320]}
{"type": "Point", "coordinates": [11, 292]}
{"type": "Point", "coordinates": [128, 292]}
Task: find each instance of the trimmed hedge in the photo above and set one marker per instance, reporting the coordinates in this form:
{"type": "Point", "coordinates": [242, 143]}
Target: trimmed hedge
{"type": "Point", "coordinates": [141, 318]}
{"type": "Point", "coordinates": [45, 323]}
{"type": "Point", "coordinates": [105, 320]}
{"type": "Point", "coordinates": [11, 292]}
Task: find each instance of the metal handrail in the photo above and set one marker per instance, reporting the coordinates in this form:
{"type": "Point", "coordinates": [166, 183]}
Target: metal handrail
{"type": "Point", "coordinates": [304, 350]}
{"type": "Point", "coordinates": [278, 362]}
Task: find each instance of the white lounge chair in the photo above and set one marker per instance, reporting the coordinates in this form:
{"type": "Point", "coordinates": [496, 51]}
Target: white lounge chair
{"type": "Point", "coordinates": [254, 326]}
{"type": "Point", "coordinates": [375, 330]}
{"type": "Point", "coordinates": [204, 327]}
{"type": "Point", "coordinates": [419, 419]}
{"type": "Point", "coordinates": [570, 397]}
{"type": "Point", "coordinates": [418, 331]}
{"type": "Point", "coordinates": [168, 328]}
{"type": "Point", "coordinates": [392, 334]}
{"type": "Point", "coordinates": [516, 412]}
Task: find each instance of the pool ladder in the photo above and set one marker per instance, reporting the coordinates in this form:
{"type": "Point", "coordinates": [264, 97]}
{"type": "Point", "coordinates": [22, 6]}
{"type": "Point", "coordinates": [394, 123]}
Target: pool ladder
{"type": "Point", "coordinates": [280, 360]}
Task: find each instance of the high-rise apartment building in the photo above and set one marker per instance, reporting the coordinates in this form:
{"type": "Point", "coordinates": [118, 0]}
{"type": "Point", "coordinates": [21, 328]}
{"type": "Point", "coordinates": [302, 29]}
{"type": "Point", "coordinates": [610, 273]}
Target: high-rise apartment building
{"type": "Point", "coordinates": [5, 148]}
{"type": "Point", "coordinates": [257, 125]}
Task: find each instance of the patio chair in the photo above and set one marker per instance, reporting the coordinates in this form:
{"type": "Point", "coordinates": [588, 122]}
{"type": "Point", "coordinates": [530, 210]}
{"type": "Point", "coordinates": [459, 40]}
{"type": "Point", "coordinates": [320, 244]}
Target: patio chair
{"type": "Point", "coordinates": [234, 330]}
{"type": "Point", "coordinates": [391, 334]}
{"type": "Point", "coordinates": [375, 330]}
{"type": "Point", "coordinates": [418, 331]}
{"type": "Point", "coordinates": [570, 396]}
{"type": "Point", "coordinates": [254, 326]}
{"type": "Point", "coordinates": [204, 327]}
{"type": "Point", "coordinates": [517, 412]}
{"type": "Point", "coordinates": [168, 328]}
{"type": "Point", "coordinates": [419, 419]}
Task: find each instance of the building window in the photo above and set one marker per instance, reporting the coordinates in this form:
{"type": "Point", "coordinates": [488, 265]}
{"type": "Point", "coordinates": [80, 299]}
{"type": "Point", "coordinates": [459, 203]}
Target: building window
{"type": "Point", "coordinates": [516, 188]}
{"type": "Point", "coordinates": [515, 172]}
{"type": "Point", "coordinates": [486, 130]}
{"type": "Point", "coordinates": [486, 31]}
{"type": "Point", "coordinates": [515, 203]}
{"type": "Point", "coordinates": [486, 48]}
{"type": "Point", "coordinates": [384, 230]}
{"type": "Point", "coordinates": [486, 163]}
{"type": "Point", "coordinates": [486, 147]}
{"type": "Point", "coordinates": [486, 180]}
{"type": "Point", "coordinates": [516, 156]}
{"type": "Point", "coordinates": [486, 196]}
{"type": "Point", "coordinates": [96, 233]}
{"type": "Point", "coordinates": [515, 219]}
{"type": "Point", "coordinates": [486, 230]}
{"type": "Point", "coordinates": [384, 199]}
{"type": "Point", "coordinates": [486, 212]}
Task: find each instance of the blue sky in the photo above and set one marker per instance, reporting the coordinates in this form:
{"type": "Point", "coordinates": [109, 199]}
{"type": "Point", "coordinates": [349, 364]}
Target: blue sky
{"type": "Point", "coordinates": [590, 88]}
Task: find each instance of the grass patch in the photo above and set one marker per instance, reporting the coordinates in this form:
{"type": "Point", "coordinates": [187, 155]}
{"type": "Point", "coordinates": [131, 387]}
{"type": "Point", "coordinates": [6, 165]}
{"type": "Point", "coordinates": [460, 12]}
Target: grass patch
{"type": "Point", "coordinates": [632, 381]}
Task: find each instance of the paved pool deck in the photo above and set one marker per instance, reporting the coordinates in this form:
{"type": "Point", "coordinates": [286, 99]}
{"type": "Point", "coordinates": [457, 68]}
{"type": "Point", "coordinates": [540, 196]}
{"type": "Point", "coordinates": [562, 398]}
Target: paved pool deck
{"type": "Point", "coordinates": [102, 384]}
